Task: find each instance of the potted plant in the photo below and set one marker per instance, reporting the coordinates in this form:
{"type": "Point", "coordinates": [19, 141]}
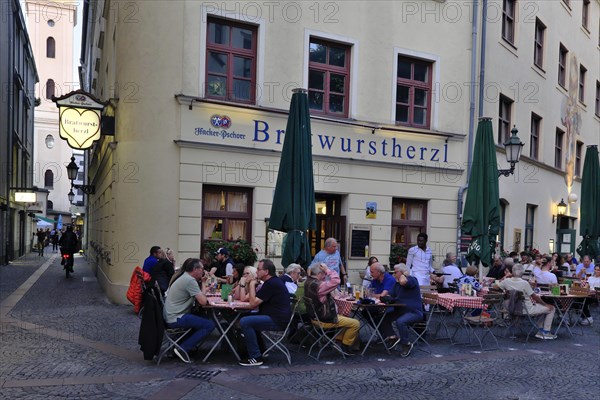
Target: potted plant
{"type": "Point", "coordinates": [240, 250]}
{"type": "Point", "coordinates": [398, 253]}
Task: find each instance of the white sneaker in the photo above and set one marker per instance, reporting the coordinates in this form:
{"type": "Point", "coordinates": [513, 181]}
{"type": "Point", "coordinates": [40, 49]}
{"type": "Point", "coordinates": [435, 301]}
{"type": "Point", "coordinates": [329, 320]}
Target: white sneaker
{"type": "Point", "coordinates": [586, 321]}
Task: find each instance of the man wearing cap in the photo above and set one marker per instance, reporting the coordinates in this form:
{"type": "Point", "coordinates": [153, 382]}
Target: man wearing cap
{"type": "Point", "coordinates": [224, 272]}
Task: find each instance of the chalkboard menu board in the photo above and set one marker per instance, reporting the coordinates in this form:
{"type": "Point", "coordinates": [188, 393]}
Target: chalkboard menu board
{"type": "Point", "coordinates": [360, 238]}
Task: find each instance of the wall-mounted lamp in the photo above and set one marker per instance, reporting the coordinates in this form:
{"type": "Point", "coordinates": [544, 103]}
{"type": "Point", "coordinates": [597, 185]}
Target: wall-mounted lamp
{"type": "Point", "coordinates": [49, 141]}
{"type": "Point", "coordinates": [72, 170]}
{"type": "Point", "coordinates": [513, 147]}
{"type": "Point", "coordinates": [561, 209]}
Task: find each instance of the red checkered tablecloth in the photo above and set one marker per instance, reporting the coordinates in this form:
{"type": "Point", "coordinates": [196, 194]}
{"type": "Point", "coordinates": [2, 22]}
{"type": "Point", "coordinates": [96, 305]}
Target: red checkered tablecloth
{"type": "Point", "coordinates": [451, 300]}
{"type": "Point", "coordinates": [344, 306]}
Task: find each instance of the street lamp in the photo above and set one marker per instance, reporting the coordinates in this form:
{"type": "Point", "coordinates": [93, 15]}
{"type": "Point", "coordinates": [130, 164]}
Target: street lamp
{"type": "Point", "coordinates": [513, 147]}
{"type": "Point", "coordinates": [561, 209]}
{"type": "Point", "coordinates": [72, 170]}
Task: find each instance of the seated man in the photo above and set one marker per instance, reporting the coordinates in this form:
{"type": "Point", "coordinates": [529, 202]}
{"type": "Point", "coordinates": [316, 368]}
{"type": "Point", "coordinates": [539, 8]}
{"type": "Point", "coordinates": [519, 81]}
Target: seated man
{"type": "Point", "coordinates": [291, 277]}
{"type": "Point", "coordinates": [381, 282]}
{"type": "Point", "coordinates": [318, 288]}
{"type": "Point", "coordinates": [544, 276]}
{"type": "Point", "coordinates": [156, 254]}
{"type": "Point", "coordinates": [406, 291]}
{"type": "Point", "coordinates": [179, 302]}
{"type": "Point", "coordinates": [516, 282]}
{"type": "Point", "coordinates": [585, 268]}
{"type": "Point", "coordinates": [274, 309]}
{"type": "Point", "coordinates": [469, 278]}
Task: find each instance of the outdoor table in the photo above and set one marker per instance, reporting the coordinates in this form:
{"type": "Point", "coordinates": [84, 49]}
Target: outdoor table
{"type": "Point", "coordinates": [376, 313]}
{"type": "Point", "coordinates": [238, 308]}
{"type": "Point", "coordinates": [452, 300]}
{"type": "Point", "coordinates": [462, 304]}
{"type": "Point", "coordinates": [563, 304]}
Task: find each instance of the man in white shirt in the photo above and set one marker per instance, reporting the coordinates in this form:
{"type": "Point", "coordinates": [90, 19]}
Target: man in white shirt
{"type": "Point", "coordinates": [539, 308]}
{"type": "Point", "coordinates": [543, 275]}
{"type": "Point", "coordinates": [420, 260]}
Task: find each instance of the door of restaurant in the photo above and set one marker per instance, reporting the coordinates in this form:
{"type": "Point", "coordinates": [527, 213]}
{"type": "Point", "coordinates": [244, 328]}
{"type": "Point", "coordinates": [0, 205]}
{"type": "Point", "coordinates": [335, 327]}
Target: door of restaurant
{"type": "Point", "coordinates": [330, 223]}
{"type": "Point", "coordinates": [566, 241]}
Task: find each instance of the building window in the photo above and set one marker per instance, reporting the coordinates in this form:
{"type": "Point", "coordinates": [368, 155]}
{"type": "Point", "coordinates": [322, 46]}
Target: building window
{"type": "Point", "coordinates": [582, 72]}
{"type": "Point", "coordinates": [413, 92]}
{"type": "Point", "coordinates": [49, 89]}
{"type": "Point", "coordinates": [49, 179]}
{"type": "Point", "coordinates": [50, 205]}
{"type": "Point", "coordinates": [231, 61]}
{"type": "Point", "coordinates": [578, 152]}
{"type": "Point", "coordinates": [598, 98]}
{"type": "Point", "coordinates": [585, 12]}
{"type": "Point", "coordinates": [562, 66]}
{"type": "Point", "coordinates": [529, 226]}
{"type": "Point", "coordinates": [538, 50]}
{"type": "Point", "coordinates": [534, 147]}
{"type": "Point", "coordinates": [226, 213]}
{"type": "Point", "coordinates": [50, 47]}
{"type": "Point", "coordinates": [508, 21]}
{"type": "Point", "coordinates": [558, 146]}
{"type": "Point", "coordinates": [328, 77]}
{"type": "Point", "coordinates": [409, 218]}
{"type": "Point", "coordinates": [504, 119]}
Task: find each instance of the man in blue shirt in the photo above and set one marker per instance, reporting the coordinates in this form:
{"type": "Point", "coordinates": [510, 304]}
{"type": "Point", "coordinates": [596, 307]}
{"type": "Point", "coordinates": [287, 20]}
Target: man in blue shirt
{"type": "Point", "coordinates": [406, 291]}
{"type": "Point", "coordinates": [155, 255]}
{"type": "Point", "coordinates": [330, 256]}
{"type": "Point", "coordinates": [586, 267]}
{"type": "Point", "coordinates": [382, 282]}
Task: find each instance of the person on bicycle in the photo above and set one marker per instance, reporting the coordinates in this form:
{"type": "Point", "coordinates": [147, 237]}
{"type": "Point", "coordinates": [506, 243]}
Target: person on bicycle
{"type": "Point", "coordinates": [68, 245]}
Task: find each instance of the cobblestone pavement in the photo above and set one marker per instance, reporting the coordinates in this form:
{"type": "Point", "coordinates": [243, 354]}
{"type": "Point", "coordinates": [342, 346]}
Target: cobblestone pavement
{"type": "Point", "coordinates": [61, 338]}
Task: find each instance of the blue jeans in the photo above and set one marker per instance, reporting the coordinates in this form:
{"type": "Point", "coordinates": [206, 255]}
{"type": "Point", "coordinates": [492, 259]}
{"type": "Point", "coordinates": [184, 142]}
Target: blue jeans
{"type": "Point", "coordinates": [201, 327]}
{"type": "Point", "coordinates": [256, 323]}
{"type": "Point", "coordinates": [404, 321]}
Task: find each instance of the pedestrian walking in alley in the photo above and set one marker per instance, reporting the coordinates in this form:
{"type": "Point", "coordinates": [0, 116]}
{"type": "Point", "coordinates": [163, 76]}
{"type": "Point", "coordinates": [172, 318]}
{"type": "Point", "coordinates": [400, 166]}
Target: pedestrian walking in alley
{"type": "Point", "coordinates": [41, 241]}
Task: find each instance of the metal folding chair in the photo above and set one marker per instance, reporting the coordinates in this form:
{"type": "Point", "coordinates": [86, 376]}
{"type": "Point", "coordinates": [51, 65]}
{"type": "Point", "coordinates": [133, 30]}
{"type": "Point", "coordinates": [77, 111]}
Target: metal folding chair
{"type": "Point", "coordinates": [324, 337]}
{"type": "Point", "coordinates": [517, 319]}
{"type": "Point", "coordinates": [172, 336]}
{"type": "Point", "coordinates": [488, 317]}
{"type": "Point", "coordinates": [277, 339]}
{"type": "Point", "coordinates": [420, 329]}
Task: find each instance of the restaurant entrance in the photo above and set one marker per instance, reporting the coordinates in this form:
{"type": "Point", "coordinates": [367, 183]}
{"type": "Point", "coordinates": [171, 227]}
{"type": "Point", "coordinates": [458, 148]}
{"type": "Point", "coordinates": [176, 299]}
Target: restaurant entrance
{"type": "Point", "coordinates": [330, 223]}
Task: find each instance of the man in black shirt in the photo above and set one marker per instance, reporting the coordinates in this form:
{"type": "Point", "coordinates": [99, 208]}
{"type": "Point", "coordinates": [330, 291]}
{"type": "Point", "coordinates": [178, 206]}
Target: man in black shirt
{"type": "Point", "coordinates": [274, 309]}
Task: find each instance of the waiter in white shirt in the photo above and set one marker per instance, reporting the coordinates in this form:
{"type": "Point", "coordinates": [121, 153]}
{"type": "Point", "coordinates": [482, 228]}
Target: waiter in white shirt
{"type": "Point", "coordinates": [420, 260]}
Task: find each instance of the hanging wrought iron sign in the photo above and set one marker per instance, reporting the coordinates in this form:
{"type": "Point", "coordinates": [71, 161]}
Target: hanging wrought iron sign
{"type": "Point", "coordinates": [80, 116]}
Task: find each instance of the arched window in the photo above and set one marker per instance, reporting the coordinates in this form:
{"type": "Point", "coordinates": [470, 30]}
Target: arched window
{"type": "Point", "coordinates": [49, 89]}
{"type": "Point", "coordinates": [50, 205]}
{"type": "Point", "coordinates": [50, 47]}
{"type": "Point", "coordinates": [49, 179]}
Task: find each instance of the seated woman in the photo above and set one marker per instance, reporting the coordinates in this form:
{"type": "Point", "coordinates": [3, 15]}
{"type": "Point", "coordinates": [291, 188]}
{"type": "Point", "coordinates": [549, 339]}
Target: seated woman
{"type": "Point", "coordinates": [367, 280]}
{"type": "Point", "coordinates": [240, 291]}
{"type": "Point", "coordinates": [406, 291]}
{"type": "Point", "coordinates": [163, 270]}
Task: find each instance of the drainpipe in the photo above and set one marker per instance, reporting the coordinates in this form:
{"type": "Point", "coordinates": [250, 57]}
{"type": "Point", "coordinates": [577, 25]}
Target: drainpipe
{"type": "Point", "coordinates": [461, 190]}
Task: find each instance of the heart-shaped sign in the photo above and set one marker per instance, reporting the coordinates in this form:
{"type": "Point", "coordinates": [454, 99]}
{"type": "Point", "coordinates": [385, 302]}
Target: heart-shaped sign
{"type": "Point", "coordinates": [79, 127]}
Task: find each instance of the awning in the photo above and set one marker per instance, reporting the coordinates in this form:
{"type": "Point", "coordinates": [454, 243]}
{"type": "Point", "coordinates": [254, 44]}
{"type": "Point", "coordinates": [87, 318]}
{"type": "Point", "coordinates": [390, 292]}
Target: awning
{"type": "Point", "coordinates": [42, 218]}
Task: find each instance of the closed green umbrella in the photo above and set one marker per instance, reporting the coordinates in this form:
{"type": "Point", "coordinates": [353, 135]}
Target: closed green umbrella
{"type": "Point", "coordinates": [589, 226]}
{"type": "Point", "coordinates": [481, 217]}
{"type": "Point", "coordinates": [293, 209]}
